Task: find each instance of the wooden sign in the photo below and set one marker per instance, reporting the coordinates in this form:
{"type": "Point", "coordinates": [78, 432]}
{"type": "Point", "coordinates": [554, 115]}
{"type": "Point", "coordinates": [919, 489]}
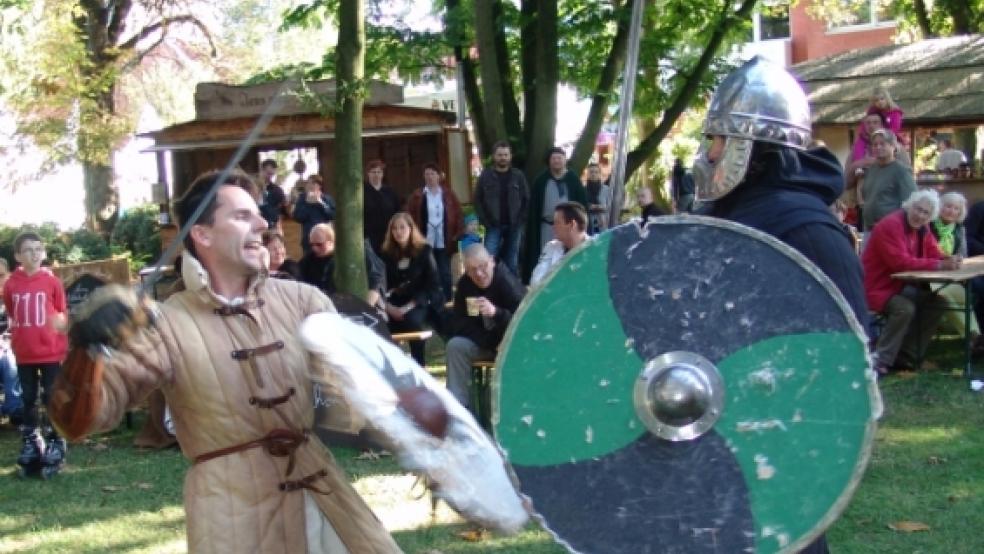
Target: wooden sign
{"type": "Point", "coordinates": [214, 101]}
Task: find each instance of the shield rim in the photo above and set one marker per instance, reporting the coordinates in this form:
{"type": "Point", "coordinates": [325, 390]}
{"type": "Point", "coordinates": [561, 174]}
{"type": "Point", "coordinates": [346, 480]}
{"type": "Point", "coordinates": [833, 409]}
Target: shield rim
{"type": "Point", "coordinates": [642, 227]}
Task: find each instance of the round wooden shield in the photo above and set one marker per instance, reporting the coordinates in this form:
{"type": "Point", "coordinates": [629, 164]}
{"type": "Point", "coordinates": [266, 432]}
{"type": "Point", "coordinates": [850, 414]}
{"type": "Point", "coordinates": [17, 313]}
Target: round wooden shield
{"type": "Point", "coordinates": [691, 386]}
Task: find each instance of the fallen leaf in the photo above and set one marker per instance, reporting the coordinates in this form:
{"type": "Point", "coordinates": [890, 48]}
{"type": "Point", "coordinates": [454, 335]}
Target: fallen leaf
{"type": "Point", "coordinates": [111, 488]}
{"type": "Point", "coordinates": [474, 535]}
{"type": "Point", "coordinates": [908, 526]}
{"type": "Point", "coordinates": [143, 486]}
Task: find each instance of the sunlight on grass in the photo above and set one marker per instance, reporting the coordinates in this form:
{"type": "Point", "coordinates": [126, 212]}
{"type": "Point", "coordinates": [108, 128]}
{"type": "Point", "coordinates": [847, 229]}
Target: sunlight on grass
{"type": "Point", "coordinates": [400, 505]}
{"type": "Point", "coordinates": [137, 532]}
{"type": "Point", "coordinates": [921, 435]}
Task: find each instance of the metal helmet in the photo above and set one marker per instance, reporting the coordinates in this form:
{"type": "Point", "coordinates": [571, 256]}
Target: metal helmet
{"type": "Point", "coordinates": [760, 101]}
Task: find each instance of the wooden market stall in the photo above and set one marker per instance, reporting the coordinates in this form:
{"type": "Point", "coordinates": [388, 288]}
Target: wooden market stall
{"type": "Point", "coordinates": [938, 83]}
{"type": "Point", "coordinates": [405, 138]}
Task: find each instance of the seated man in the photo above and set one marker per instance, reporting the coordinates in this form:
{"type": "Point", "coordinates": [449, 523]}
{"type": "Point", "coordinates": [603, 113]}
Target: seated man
{"type": "Point", "coordinates": [569, 229]}
{"type": "Point", "coordinates": [484, 302]}
{"type": "Point", "coordinates": [317, 267]}
{"type": "Point", "coordinates": [901, 241]}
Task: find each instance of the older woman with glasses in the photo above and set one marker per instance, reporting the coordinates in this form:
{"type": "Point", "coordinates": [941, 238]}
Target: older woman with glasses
{"type": "Point", "coordinates": [951, 236]}
{"type": "Point", "coordinates": [901, 241]}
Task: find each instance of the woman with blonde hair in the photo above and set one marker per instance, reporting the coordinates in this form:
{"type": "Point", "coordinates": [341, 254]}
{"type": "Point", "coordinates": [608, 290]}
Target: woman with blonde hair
{"type": "Point", "coordinates": [411, 274]}
{"type": "Point", "coordinates": [948, 228]}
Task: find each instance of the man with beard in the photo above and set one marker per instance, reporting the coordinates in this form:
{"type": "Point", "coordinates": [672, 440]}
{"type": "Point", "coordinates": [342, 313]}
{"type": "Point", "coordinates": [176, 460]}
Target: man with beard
{"type": "Point", "coordinates": [554, 185]}
{"type": "Point", "coordinates": [502, 199]}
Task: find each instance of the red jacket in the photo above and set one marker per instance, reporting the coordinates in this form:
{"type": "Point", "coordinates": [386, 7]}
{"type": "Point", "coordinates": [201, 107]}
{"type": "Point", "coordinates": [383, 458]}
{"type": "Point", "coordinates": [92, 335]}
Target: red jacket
{"type": "Point", "coordinates": [32, 302]}
{"type": "Point", "coordinates": [894, 246]}
{"type": "Point", "coordinates": [454, 225]}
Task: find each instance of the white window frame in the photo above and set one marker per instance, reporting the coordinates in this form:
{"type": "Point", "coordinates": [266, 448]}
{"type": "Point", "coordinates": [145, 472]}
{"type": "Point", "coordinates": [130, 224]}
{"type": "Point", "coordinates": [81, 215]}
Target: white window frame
{"type": "Point", "coordinates": [872, 23]}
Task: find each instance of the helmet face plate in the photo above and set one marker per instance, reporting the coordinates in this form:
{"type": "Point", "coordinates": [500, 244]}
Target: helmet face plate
{"type": "Point", "coordinates": [714, 180]}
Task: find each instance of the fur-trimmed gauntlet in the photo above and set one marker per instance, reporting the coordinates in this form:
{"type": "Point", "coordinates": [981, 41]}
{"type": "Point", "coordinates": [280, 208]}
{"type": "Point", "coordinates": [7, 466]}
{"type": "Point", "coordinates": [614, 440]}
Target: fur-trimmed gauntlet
{"type": "Point", "coordinates": [109, 317]}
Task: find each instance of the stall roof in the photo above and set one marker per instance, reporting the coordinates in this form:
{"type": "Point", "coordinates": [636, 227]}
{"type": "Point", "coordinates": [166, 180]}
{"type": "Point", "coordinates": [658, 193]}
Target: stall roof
{"type": "Point", "coordinates": [938, 81]}
{"type": "Point", "coordinates": [377, 121]}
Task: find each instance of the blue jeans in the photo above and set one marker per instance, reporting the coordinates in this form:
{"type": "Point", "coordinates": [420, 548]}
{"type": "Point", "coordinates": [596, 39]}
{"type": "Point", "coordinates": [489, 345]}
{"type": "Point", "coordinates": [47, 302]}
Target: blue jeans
{"type": "Point", "coordinates": [12, 400]}
{"type": "Point", "coordinates": [503, 244]}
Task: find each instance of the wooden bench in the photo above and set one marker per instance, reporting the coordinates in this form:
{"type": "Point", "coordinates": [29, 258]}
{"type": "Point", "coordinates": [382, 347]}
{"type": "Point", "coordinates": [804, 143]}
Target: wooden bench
{"type": "Point", "coordinates": [405, 338]}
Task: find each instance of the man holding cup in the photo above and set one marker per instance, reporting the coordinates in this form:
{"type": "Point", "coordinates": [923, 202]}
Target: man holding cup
{"type": "Point", "coordinates": [487, 295]}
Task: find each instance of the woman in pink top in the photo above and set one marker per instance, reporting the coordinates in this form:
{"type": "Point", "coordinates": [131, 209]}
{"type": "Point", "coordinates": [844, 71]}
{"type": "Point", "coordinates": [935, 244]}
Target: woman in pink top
{"type": "Point", "coordinates": [891, 116]}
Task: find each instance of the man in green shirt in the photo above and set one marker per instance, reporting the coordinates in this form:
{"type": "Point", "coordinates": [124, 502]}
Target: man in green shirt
{"type": "Point", "coordinates": [887, 183]}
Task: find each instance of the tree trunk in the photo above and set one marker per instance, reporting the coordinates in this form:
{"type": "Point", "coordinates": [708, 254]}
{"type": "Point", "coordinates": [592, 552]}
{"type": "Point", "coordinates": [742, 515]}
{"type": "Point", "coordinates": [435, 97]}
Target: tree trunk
{"type": "Point", "coordinates": [648, 146]}
{"type": "Point", "coordinates": [473, 96]}
{"type": "Point", "coordinates": [545, 90]}
{"type": "Point", "coordinates": [350, 268]}
{"type": "Point", "coordinates": [600, 99]}
{"type": "Point", "coordinates": [102, 199]}
{"type": "Point", "coordinates": [922, 18]}
{"type": "Point", "coordinates": [488, 65]}
{"type": "Point", "coordinates": [102, 196]}
{"type": "Point", "coordinates": [527, 64]}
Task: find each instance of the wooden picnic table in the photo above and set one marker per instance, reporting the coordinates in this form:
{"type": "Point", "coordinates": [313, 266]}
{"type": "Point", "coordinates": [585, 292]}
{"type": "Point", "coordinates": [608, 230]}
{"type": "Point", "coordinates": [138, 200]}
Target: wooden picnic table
{"type": "Point", "coordinates": [969, 269]}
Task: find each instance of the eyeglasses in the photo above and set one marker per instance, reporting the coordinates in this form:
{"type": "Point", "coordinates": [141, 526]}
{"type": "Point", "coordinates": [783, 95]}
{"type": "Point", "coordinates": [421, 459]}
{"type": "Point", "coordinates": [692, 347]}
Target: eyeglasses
{"type": "Point", "coordinates": [29, 250]}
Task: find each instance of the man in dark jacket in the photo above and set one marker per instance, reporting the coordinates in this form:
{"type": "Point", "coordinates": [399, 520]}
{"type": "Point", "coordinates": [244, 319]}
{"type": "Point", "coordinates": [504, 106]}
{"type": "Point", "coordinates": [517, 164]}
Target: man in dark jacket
{"type": "Point", "coordinates": [554, 185]}
{"type": "Point", "coordinates": [273, 200]}
{"type": "Point", "coordinates": [974, 226]}
{"type": "Point", "coordinates": [317, 267]}
{"type": "Point", "coordinates": [484, 303]}
{"type": "Point", "coordinates": [763, 176]}
{"type": "Point", "coordinates": [502, 199]}
{"type": "Point", "coordinates": [379, 203]}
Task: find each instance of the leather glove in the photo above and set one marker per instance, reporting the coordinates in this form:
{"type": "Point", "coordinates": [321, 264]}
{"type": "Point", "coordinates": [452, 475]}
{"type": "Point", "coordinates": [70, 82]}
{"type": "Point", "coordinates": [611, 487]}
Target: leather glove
{"type": "Point", "coordinates": [109, 316]}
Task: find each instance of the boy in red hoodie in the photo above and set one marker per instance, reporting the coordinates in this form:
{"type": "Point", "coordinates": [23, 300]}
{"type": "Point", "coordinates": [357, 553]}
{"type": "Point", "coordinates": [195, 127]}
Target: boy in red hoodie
{"type": "Point", "coordinates": [35, 302]}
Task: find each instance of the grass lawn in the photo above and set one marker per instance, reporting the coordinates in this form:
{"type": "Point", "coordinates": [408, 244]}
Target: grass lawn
{"type": "Point", "coordinates": [927, 467]}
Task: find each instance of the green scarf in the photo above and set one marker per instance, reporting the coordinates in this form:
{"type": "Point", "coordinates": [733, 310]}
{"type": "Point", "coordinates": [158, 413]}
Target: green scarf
{"type": "Point", "coordinates": [946, 237]}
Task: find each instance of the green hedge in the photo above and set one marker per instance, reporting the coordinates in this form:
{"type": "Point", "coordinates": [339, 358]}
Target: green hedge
{"type": "Point", "coordinates": [136, 233]}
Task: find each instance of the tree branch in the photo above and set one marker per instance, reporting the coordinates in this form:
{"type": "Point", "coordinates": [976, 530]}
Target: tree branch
{"type": "Point", "coordinates": [689, 89]}
{"type": "Point", "coordinates": [601, 98]}
{"type": "Point", "coordinates": [162, 26]}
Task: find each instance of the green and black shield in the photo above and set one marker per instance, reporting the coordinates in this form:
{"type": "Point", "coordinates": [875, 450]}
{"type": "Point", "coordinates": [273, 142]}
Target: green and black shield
{"type": "Point", "coordinates": [691, 386]}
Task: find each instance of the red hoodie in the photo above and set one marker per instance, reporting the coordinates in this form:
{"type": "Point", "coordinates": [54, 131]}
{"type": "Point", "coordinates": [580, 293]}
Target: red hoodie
{"type": "Point", "coordinates": [32, 301]}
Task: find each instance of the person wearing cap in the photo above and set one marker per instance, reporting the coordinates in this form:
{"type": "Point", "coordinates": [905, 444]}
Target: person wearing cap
{"type": "Point", "coordinates": [754, 168]}
{"type": "Point", "coordinates": [887, 183]}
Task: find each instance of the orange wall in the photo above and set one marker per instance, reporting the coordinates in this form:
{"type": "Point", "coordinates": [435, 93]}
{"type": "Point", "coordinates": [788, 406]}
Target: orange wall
{"type": "Point", "coordinates": [810, 38]}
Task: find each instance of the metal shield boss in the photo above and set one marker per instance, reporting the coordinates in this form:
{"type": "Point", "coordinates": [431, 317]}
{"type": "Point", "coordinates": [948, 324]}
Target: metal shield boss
{"type": "Point", "coordinates": [691, 386]}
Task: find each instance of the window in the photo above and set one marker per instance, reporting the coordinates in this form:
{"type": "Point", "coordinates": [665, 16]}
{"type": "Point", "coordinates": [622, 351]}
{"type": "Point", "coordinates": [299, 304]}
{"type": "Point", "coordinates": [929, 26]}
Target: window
{"type": "Point", "coordinates": [771, 21]}
{"type": "Point", "coordinates": [855, 13]}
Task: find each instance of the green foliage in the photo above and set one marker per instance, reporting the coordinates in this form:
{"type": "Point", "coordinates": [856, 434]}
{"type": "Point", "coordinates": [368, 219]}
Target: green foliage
{"type": "Point", "coordinates": [916, 18]}
{"type": "Point", "coordinates": [138, 234]}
